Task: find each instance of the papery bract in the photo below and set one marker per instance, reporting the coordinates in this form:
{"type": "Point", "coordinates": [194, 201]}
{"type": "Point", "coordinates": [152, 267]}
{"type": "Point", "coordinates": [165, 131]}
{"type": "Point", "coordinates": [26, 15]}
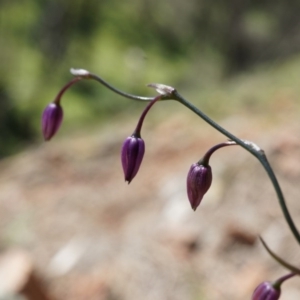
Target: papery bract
{"type": "Point", "coordinates": [51, 120]}
{"type": "Point", "coordinates": [198, 182]}
{"type": "Point", "coordinates": [132, 154]}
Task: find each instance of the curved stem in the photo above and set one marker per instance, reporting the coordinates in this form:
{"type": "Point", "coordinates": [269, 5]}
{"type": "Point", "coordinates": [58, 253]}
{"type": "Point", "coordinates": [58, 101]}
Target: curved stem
{"type": "Point", "coordinates": [61, 92]}
{"type": "Point", "coordinates": [117, 91]}
{"type": "Point", "coordinates": [205, 159]}
{"type": "Point", "coordinates": [282, 279]}
{"type": "Point", "coordinates": [173, 94]}
{"type": "Point", "coordinates": [254, 150]}
{"type": "Point", "coordinates": [139, 125]}
{"type": "Point", "coordinates": [279, 259]}
{"type": "Point", "coordinates": [264, 161]}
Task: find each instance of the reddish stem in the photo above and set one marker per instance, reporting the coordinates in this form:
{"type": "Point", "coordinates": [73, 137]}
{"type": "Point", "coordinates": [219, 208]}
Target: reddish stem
{"type": "Point", "coordinates": [205, 160]}
{"type": "Point", "coordinates": [137, 131]}
{"type": "Point", "coordinates": [279, 281]}
{"type": "Point", "coordinates": [69, 84]}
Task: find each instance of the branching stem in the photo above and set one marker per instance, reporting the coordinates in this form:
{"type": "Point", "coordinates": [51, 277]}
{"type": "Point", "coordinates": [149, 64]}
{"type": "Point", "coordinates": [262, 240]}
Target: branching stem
{"type": "Point", "coordinates": [254, 150]}
{"type": "Point", "coordinates": [248, 146]}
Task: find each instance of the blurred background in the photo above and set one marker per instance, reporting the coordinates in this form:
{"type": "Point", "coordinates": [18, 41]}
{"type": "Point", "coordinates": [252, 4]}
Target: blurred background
{"type": "Point", "coordinates": [64, 207]}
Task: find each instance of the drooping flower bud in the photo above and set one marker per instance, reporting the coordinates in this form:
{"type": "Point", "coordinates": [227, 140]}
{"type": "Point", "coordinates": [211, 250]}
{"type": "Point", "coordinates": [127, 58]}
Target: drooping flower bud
{"type": "Point", "coordinates": [266, 291]}
{"type": "Point", "coordinates": [53, 113]}
{"type": "Point", "coordinates": [198, 182]}
{"type": "Point", "coordinates": [270, 290]}
{"type": "Point", "coordinates": [132, 154]}
{"type": "Point", "coordinates": [200, 176]}
{"type": "Point", "coordinates": [51, 120]}
{"type": "Point", "coordinates": [133, 148]}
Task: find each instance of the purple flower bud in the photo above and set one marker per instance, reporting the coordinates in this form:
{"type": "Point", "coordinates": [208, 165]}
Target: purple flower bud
{"type": "Point", "coordinates": [266, 291]}
{"type": "Point", "coordinates": [198, 182]}
{"type": "Point", "coordinates": [132, 155]}
{"type": "Point", "coordinates": [51, 120]}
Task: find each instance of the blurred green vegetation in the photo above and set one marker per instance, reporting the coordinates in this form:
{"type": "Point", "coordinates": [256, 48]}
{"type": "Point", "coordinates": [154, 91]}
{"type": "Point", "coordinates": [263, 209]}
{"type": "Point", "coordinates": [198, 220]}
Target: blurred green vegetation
{"type": "Point", "coordinates": [221, 55]}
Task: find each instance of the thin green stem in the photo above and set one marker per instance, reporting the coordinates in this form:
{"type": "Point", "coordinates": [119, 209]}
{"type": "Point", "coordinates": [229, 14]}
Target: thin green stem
{"type": "Point", "coordinates": [279, 259]}
{"type": "Point", "coordinates": [254, 150]}
{"type": "Point", "coordinates": [117, 91]}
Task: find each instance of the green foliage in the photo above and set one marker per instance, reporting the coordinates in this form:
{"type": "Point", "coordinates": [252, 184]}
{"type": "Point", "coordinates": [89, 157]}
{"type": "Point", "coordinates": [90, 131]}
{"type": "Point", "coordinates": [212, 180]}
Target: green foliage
{"type": "Point", "coordinates": [196, 46]}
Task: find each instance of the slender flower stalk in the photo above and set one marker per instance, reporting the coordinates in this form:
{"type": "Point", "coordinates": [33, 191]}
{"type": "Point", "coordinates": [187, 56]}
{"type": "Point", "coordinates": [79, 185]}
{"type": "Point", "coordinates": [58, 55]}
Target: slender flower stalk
{"type": "Point", "coordinates": [208, 154]}
{"type": "Point", "coordinates": [280, 260]}
{"type": "Point", "coordinates": [165, 91]}
{"type": "Point", "coordinates": [117, 91]}
{"type": "Point", "coordinates": [144, 113]}
{"type": "Point", "coordinates": [65, 87]}
{"type": "Point", "coordinates": [282, 279]}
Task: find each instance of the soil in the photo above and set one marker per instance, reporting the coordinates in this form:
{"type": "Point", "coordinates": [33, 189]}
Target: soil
{"type": "Point", "coordinates": [91, 236]}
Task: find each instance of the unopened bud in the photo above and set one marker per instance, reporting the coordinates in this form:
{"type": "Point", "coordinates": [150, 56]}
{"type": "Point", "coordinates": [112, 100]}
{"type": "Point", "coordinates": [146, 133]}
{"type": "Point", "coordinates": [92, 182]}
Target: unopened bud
{"type": "Point", "coordinates": [134, 147]}
{"type": "Point", "coordinates": [132, 155]}
{"type": "Point", "coordinates": [200, 176]}
{"type": "Point", "coordinates": [51, 120]}
{"type": "Point", "coordinates": [198, 182]}
{"type": "Point", "coordinates": [266, 291]}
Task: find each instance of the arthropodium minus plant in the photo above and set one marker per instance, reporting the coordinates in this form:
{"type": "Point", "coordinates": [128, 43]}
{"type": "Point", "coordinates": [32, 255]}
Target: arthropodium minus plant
{"type": "Point", "coordinates": [199, 177]}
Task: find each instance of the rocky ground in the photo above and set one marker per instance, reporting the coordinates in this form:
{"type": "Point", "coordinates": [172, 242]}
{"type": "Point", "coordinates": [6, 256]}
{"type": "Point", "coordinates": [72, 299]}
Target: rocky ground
{"type": "Point", "coordinates": [93, 237]}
